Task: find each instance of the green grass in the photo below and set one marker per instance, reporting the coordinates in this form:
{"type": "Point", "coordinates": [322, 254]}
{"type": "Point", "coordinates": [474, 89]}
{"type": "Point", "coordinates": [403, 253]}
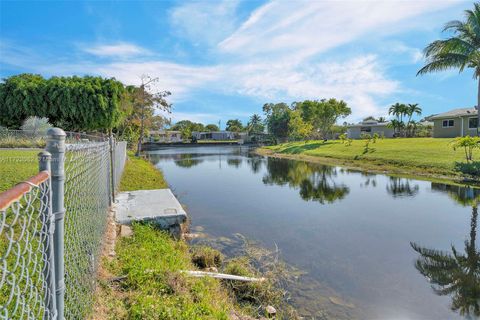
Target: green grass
{"type": "Point", "coordinates": [17, 166]}
{"type": "Point", "coordinates": [425, 156]}
{"type": "Point", "coordinates": [140, 174]}
{"type": "Point", "coordinates": [154, 287]}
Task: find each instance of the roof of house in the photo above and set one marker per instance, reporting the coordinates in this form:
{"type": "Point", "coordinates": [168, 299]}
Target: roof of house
{"type": "Point", "coordinates": [462, 112]}
{"type": "Point", "coordinates": [369, 123]}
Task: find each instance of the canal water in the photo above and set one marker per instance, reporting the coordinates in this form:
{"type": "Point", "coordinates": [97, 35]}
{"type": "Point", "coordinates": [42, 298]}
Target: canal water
{"type": "Point", "coordinates": [371, 246]}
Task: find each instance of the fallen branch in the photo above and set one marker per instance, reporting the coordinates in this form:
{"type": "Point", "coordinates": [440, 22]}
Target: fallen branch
{"type": "Point", "coordinates": [221, 276]}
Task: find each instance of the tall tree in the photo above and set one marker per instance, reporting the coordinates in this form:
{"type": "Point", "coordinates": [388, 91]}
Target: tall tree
{"type": "Point", "coordinates": [298, 129]}
{"type": "Point", "coordinates": [146, 102]}
{"type": "Point", "coordinates": [323, 114]}
{"type": "Point", "coordinates": [183, 125]}
{"type": "Point", "coordinates": [399, 110]}
{"type": "Point", "coordinates": [234, 125]}
{"type": "Point", "coordinates": [212, 127]}
{"type": "Point", "coordinates": [412, 108]}
{"type": "Point", "coordinates": [255, 125]}
{"type": "Point", "coordinates": [459, 51]}
{"type": "Point", "coordinates": [277, 117]}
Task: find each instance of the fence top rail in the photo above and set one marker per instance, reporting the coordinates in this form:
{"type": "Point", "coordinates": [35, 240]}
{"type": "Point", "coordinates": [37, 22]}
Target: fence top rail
{"type": "Point", "coordinates": [16, 193]}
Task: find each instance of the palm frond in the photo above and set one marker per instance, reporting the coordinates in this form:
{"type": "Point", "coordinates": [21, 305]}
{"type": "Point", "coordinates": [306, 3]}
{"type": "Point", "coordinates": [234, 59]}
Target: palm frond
{"type": "Point", "coordinates": [448, 61]}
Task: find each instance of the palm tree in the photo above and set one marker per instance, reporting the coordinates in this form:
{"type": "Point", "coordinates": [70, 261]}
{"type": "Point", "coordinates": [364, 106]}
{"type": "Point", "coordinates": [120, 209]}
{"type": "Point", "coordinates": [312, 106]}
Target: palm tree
{"type": "Point", "coordinates": [397, 125]}
{"type": "Point", "coordinates": [398, 110]}
{"type": "Point", "coordinates": [412, 108]}
{"type": "Point", "coordinates": [454, 273]}
{"type": "Point", "coordinates": [381, 119]}
{"type": "Point", "coordinates": [460, 51]}
{"type": "Point", "coordinates": [255, 124]}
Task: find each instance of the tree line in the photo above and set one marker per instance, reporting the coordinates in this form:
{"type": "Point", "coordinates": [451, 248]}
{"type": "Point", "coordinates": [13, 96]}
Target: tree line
{"type": "Point", "coordinates": [92, 104]}
{"type": "Point", "coordinates": [255, 125]}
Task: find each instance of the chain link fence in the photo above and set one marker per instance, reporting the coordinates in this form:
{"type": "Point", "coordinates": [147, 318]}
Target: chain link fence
{"type": "Point", "coordinates": [120, 158]}
{"type": "Point", "coordinates": [52, 226]}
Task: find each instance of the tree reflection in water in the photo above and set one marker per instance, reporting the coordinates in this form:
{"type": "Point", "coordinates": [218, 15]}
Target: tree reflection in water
{"type": "Point", "coordinates": [400, 187]}
{"type": "Point", "coordinates": [255, 163]}
{"type": "Point", "coordinates": [187, 160]}
{"type": "Point", "coordinates": [234, 162]}
{"type": "Point", "coordinates": [456, 274]}
{"type": "Point", "coordinates": [315, 182]}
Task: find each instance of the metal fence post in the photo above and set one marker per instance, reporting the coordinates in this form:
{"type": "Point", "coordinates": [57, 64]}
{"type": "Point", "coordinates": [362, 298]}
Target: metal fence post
{"type": "Point", "coordinates": [56, 146]}
{"type": "Point", "coordinates": [44, 158]}
{"type": "Point", "coordinates": [111, 172]}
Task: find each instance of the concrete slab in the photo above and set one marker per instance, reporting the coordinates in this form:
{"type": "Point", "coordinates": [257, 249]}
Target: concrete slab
{"type": "Point", "coordinates": [157, 206]}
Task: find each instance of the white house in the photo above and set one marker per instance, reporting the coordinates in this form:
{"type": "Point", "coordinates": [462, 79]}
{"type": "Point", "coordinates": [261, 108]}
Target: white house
{"type": "Point", "coordinates": [370, 127]}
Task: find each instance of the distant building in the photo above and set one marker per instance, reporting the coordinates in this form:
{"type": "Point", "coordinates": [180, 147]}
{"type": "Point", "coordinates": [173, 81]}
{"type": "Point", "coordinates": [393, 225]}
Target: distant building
{"type": "Point", "coordinates": [214, 135]}
{"type": "Point", "coordinates": [455, 123]}
{"type": "Point", "coordinates": [370, 127]}
{"type": "Point", "coordinates": [165, 136]}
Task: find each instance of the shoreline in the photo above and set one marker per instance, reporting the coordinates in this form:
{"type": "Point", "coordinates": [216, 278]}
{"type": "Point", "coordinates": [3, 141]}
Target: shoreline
{"type": "Point", "coordinates": [379, 167]}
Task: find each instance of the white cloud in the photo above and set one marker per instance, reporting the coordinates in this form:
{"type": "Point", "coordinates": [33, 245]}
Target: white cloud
{"type": "Point", "coordinates": [278, 53]}
{"type": "Point", "coordinates": [309, 27]}
{"type": "Point", "coordinates": [177, 78]}
{"type": "Point", "coordinates": [358, 81]}
{"type": "Point", "coordinates": [204, 22]}
{"type": "Point", "coordinates": [415, 55]}
{"type": "Point", "coordinates": [121, 49]}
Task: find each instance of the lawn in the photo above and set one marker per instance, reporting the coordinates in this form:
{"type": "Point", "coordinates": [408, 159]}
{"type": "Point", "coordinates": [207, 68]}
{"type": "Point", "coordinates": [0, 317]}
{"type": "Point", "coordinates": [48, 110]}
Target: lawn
{"type": "Point", "coordinates": [409, 155]}
{"type": "Point", "coordinates": [154, 286]}
{"type": "Point", "coordinates": [16, 166]}
{"type": "Point", "coordinates": [140, 174]}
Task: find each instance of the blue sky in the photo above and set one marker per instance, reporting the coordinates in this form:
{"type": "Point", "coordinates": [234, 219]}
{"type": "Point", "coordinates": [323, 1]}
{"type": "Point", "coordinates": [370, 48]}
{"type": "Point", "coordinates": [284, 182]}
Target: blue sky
{"type": "Point", "coordinates": [225, 59]}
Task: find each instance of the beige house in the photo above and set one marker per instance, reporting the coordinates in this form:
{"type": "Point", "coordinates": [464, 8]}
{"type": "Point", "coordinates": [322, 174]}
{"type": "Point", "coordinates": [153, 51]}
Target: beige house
{"type": "Point", "coordinates": [370, 127]}
{"type": "Point", "coordinates": [455, 123]}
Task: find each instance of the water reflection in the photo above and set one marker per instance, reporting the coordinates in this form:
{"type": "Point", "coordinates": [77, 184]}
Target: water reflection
{"type": "Point", "coordinates": [454, 273]}
{"type": "Point", "coordinates": [188, 161]}
{"type": "Point", "coordinates": [234, 162]}
{"type": "Point", "coordinates": [400, 187]}
{"type": "Point", "coordinates": [255, 163]}
{"type": "Point", "coordinates": [370, 180]}
{"type": "Point", "coordinates": [315, 182]}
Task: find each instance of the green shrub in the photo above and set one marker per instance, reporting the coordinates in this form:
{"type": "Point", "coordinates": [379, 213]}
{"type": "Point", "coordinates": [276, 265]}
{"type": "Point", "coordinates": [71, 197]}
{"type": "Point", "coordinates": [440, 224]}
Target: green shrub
{"type": "Point", "coordinates": [206, 257]}
{"type": "Point", "coordinates": [469, 168]}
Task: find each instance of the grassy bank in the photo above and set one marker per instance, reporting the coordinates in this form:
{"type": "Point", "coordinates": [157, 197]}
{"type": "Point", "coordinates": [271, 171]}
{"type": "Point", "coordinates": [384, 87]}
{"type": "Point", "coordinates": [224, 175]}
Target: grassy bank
{"type": "Point", "coordinates": [427, 157]}
{"type": "Point", "coordinates": [145, 278]}
{"type": "Point", "coordinates": [140, 174]}
{"type": "Point", "coordinates": [152, 286]}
